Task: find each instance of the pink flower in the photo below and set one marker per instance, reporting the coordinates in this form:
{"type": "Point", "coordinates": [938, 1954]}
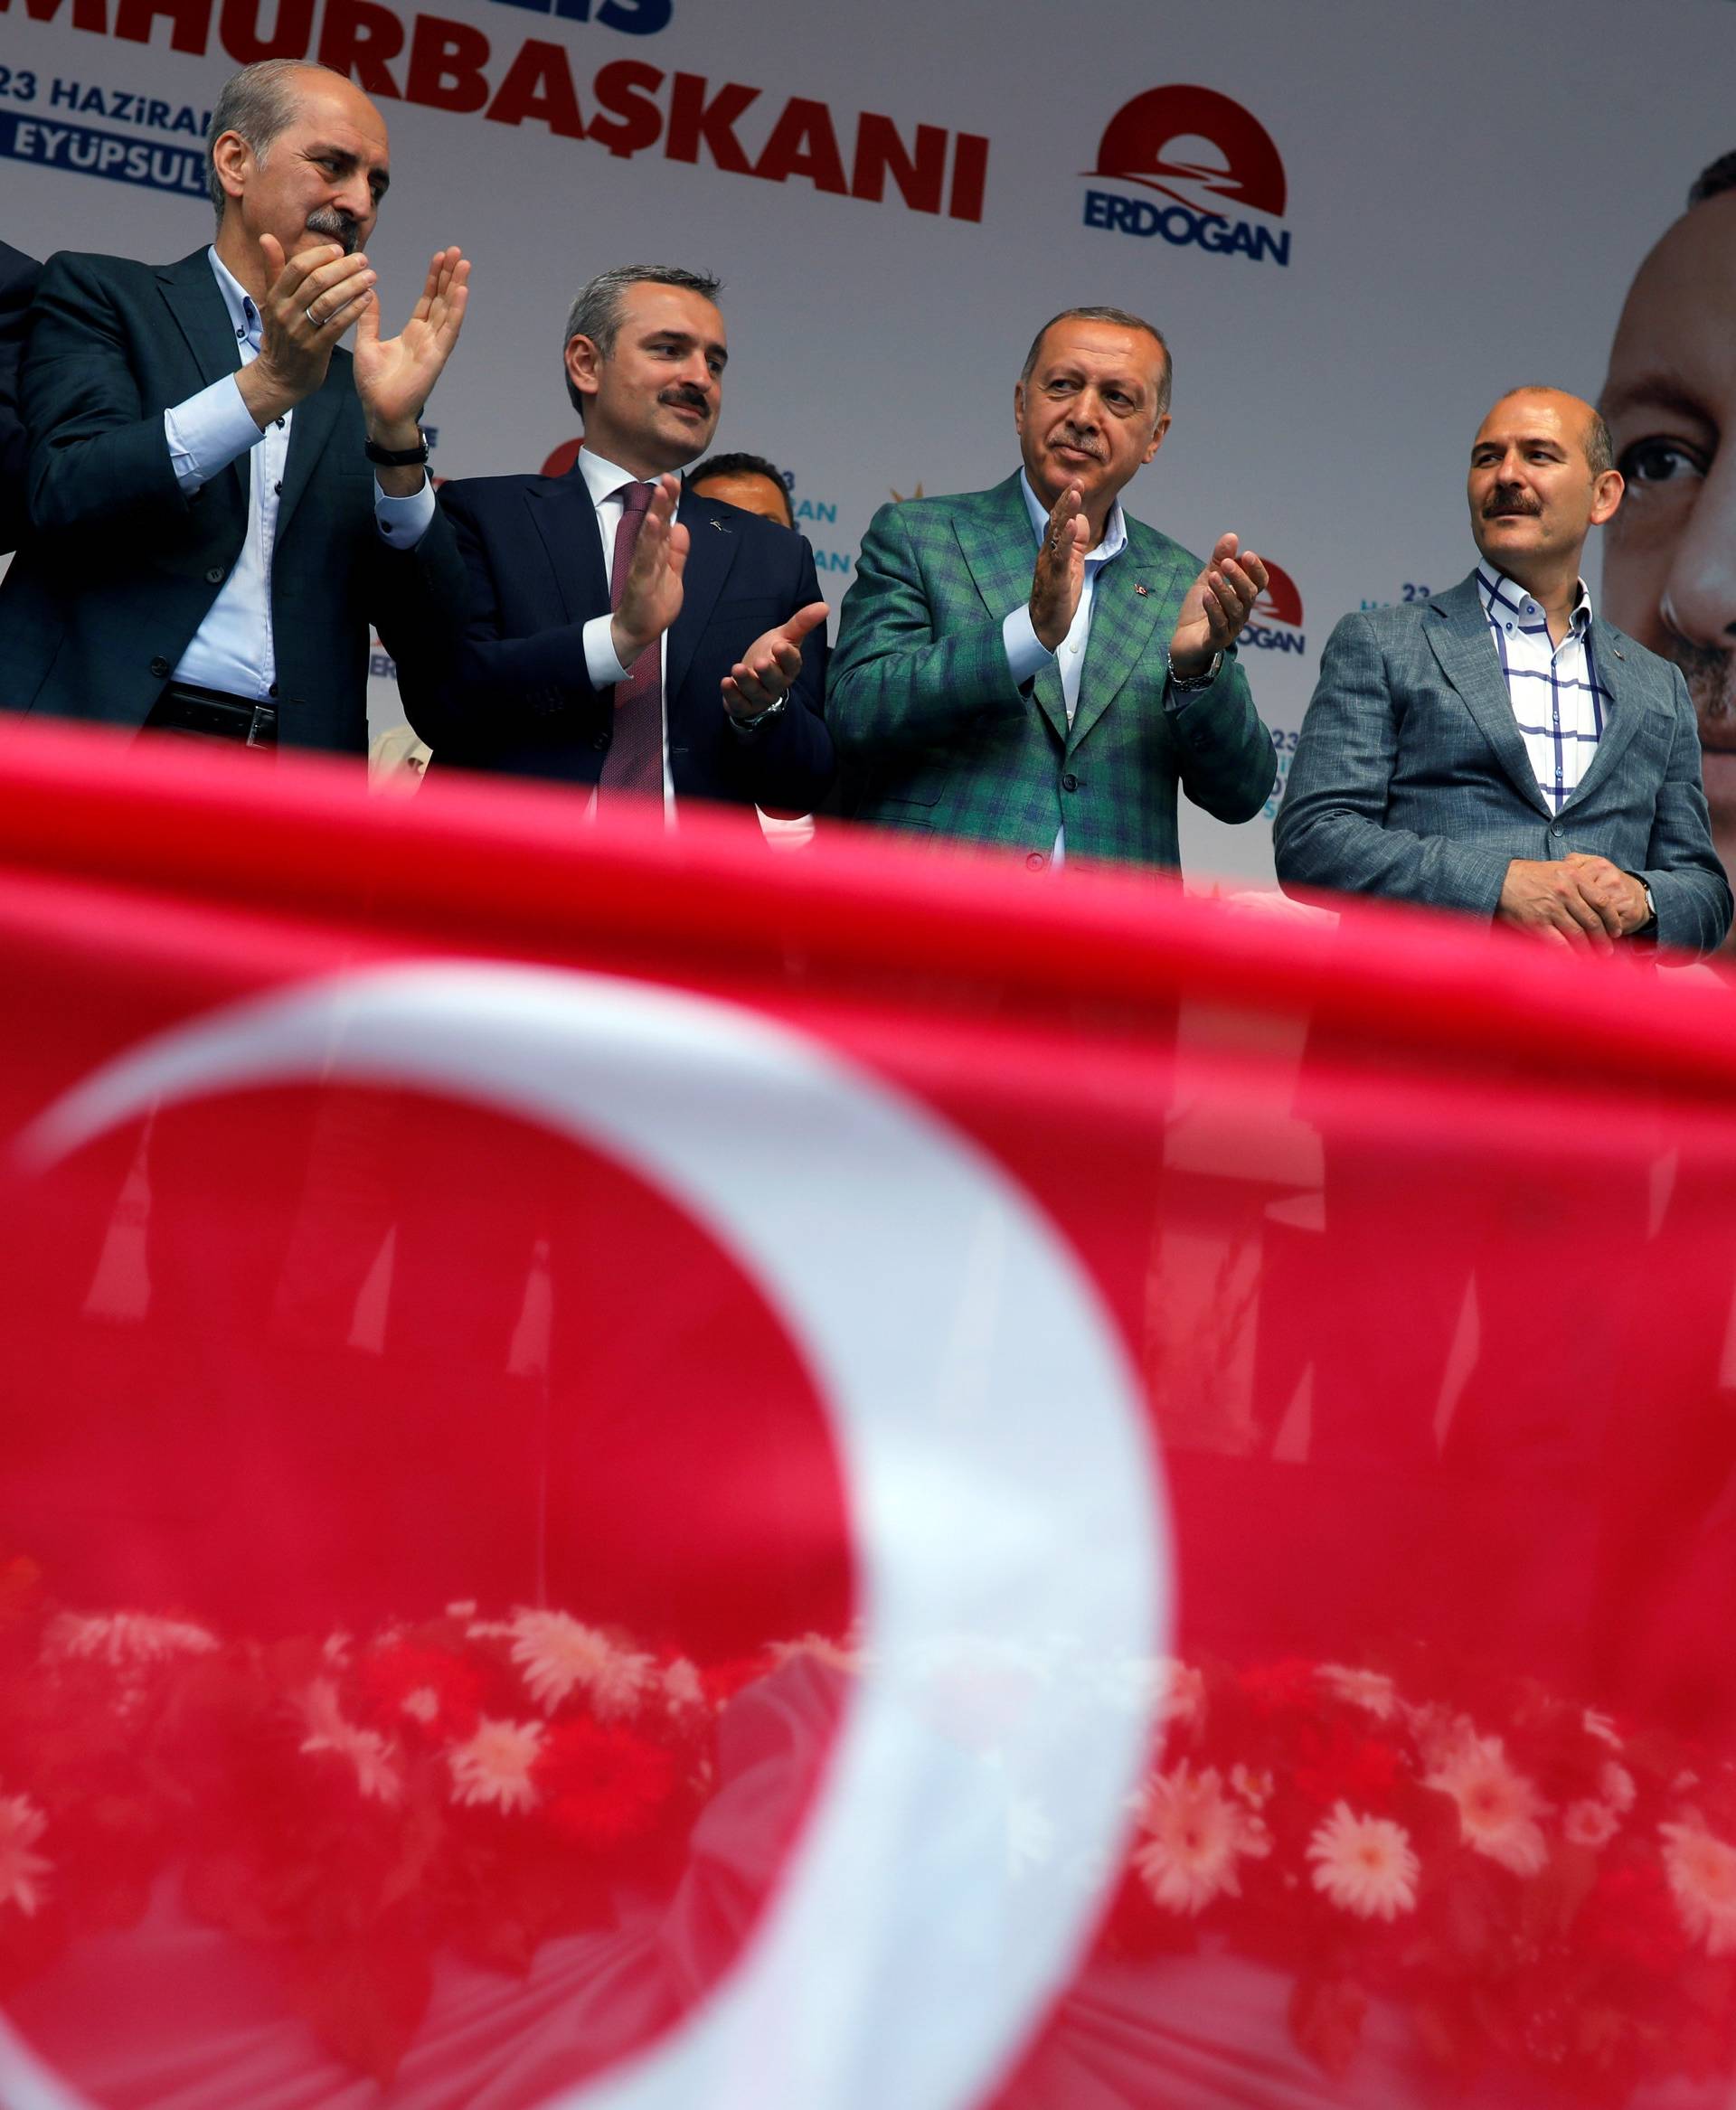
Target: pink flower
{"type": "Point", "coordinates": [495, 1766]}
{"type": "Point", "coordinates": [1364, 1865]}
{"type": "Point", "coordinates": [1198, 1835]}
{"type": "Point", "coordinates": [364, 1749]}
{"type": "Point", "coordinates": [1616, 1784]}
{"type": "Point", "coordinates": [119, 1638]}
{"type": "Point", "coordinates": [1498, 1807]}
{"type": "Point", "coordinates": [1589, 1823]}
{"type": "Point", "coordinates": [1370, 1689]}
{"type": "Point", "coordinates": [21, 1868]}
{"type": "Point", "coordinates": [557, 1653]}
{"type": "Point", "coordinates": [1702, 1872]}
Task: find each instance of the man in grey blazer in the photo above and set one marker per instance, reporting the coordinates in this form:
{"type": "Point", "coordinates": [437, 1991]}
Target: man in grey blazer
{"type": "Point", "coordinates": [1501, 750]}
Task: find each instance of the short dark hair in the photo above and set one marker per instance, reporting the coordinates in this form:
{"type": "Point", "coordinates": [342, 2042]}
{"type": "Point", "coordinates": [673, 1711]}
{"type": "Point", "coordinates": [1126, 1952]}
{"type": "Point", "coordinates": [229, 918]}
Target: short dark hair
{"type": "Point", "coordinates": [1124, 319]}
{"type": "Point", "coordinates": [744, 464]}
{"type": "Point", "coordinates": [597, 308]}
{"type": "Point", "coordinates": [1714, 179]}
{"type": "Point", "coordinates": [258, 102]}
{"type": "Point", "coordinates": [1599, 447]}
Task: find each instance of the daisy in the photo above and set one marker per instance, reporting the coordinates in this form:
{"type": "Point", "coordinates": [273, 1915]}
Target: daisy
{"type": "Point", "coordinates": [1373, 1690]}
{"type": "Point", "coordinates": [365, 1749]}
{"type": "Point", "coordinates": [556, 1654]}
{"type": "Point", "coordinates": [495, 1765]}
{"type": "Point", "coordinates": [1364, 1865]}
{"type": "Point", "coordinates": [1589, 1823]}
{"type": "Point", "coordinates": [1701, 1872]}
{"type": "Point", "coordinates": [119, 1638]}
{"type": "Point", "coordinates": [1498, 1807]}
{"type": "Point", "coordinates": [1198, 1835]}
{"type": "Point", "coordinates": [21, 1868]}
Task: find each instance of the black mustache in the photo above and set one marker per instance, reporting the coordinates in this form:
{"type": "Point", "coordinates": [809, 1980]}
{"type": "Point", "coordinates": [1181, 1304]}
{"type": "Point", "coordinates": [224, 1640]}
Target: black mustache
{"type": "Point", "coordinates": [1510, 498]}
{"type": "Point", "coordinates": [690, 396]}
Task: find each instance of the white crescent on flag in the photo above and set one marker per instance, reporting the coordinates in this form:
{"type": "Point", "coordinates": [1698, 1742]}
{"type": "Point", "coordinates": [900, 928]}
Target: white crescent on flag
{"type": "Point", "coordinates": [1003, 1490]}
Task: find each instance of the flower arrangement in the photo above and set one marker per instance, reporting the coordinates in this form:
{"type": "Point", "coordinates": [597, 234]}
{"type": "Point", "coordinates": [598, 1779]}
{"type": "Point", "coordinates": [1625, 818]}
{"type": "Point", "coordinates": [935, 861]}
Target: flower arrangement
{"type": "Point", "coordinates": [1538, 1887]}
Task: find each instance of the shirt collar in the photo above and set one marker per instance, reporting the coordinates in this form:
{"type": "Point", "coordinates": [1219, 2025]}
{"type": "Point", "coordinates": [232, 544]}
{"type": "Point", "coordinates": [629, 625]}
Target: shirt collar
{"type": "Point", "coordinates": [604, 479]}
{"type": "Point", "coordinates": [1496, 590]}
{"type": "Point", "coordinates": [243, 316]}
{"type": "Point", "coordinates": [1115, 529]}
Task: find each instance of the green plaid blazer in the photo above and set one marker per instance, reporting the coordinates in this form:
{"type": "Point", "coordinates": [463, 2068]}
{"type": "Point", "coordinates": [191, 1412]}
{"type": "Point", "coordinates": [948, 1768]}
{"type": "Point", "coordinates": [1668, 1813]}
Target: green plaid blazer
{"type": "Point", "coordinates": [937, 738]}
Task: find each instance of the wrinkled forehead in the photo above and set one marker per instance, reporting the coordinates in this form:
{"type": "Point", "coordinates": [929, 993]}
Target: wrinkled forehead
{"type": "Point", "coordinates": [1535, 414]}
{"type": "Point", "coordinates": [337, 113]}
{"type": "Point", "coordinates": [1676, 339]}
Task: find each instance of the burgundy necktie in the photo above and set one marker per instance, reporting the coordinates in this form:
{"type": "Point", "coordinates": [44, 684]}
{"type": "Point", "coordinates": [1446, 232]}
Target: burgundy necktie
{"type": "Point", "coordinates": [635, 758]}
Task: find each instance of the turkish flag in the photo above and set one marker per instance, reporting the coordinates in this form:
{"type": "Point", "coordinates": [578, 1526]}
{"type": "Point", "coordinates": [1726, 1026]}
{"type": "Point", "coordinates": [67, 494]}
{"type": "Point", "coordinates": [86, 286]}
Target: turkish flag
{"type": "Point", "coordinates": [638, 1475]}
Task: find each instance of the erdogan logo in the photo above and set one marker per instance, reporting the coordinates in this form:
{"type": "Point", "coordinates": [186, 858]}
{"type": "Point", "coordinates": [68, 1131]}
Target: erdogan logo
{"type": "Point", "coordinates": [1276, 626]}
{"type": "Point", "coordinates": [1197, 138]}
{"type": "Point", "coordinates": [1206, 154]}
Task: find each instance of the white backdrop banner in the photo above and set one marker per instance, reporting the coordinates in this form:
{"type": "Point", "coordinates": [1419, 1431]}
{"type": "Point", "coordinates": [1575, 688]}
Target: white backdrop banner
{"type": "Point", "coordinates": [1355, 227]}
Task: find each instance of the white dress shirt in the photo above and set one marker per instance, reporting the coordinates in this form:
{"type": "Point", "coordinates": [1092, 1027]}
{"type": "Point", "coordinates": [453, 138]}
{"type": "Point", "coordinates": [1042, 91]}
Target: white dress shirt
{"type": "Point", "coordinates": [233, 650]}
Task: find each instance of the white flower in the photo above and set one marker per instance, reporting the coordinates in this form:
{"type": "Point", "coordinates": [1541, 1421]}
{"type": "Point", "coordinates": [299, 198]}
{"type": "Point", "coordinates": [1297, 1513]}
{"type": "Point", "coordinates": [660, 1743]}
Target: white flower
{"type": "Point", "coordinates": [1589, 1823]}
{"type": "Point", "coordinates": [1601, 1727]}
{"type": "Point", "coordinates": [1364, 1865]}
{"type": "Point", "coordinates": [1371, 1688]}
{"type": "Point", "coordinates": [1701, 1872]}
{"type": "Point", "coordinates": [119, 1638]}
{"type": "Point", "coordinates": [1498, 1807]}
{"type": "Point", "coordinates": [495, 1766]}
{"type": "Point", "coordinates": [21, 1868]}
{"type": "Point", "coordinates": [681, 1685]}
{"type": "Point", "coordinates": [1617, 1786]}
{"type": "Point", "coordinates": [556, 1654]}
{"type": "Point", "coordinates": [365, 1749]}
{"type": "Point", "coordinates": [422, 1705]}
{"type": "Point", "coordinates": [1198, 1835]}
{"type": "Point", "coordinates": [1181, 1694]}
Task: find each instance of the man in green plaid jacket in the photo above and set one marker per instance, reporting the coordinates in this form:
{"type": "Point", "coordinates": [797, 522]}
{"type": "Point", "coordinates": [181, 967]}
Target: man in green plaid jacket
{"type": "Point", "coordinates": [1001, 671]}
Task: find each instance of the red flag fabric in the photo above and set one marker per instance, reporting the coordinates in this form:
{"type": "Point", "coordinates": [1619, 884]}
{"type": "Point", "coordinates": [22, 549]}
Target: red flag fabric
{"type": "Point", "coordinates": [639, 1473]}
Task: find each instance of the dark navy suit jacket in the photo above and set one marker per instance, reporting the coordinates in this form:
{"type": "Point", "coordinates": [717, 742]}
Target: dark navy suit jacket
{"type": "Point", "coordinates": [121, 568]}
{"type": "Point", "coordinates": [1412, 779]}
{"type": "Point", "coordinates": [507, 690]}
{"type": "Point", "coordinates": [18, 276]}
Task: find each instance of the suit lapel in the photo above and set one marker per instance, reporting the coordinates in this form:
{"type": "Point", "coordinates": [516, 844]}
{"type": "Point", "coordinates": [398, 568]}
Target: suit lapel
{"type": "Point", "coordinates": [1622, 713]}
{"type": "Point", "coordinates": [1124, 623]}
{"type": "Point", "coordinates": [1000, 552]}
{"type": "Point", "coordinates": [565, 521]}
{"type": "Point", "coordinates": [190, 294]}
{"type": "Point", "coordinates": [712, 545]}
{"type": "Point", "coordinates": [311, 426]}
{"type": "Point", "coordinates": [1458, 635]}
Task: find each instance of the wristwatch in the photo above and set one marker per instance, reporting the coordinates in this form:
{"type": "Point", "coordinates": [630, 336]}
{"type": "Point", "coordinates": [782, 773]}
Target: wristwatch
{"type": "Point", "coordinates": [399, 458]}
{"type": "Point", "coordinates": [1199, 681]}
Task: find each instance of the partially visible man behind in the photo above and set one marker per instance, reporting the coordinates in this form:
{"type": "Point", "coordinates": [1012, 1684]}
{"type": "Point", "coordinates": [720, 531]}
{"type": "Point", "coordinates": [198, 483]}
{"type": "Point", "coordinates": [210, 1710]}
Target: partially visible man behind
{"type": "Point", "coordinates": [747, 480]}
{"type": "Point", "coordinates": [207, 548]}
{"type": "Point", "coordinates": [618, 632]}
{"type": "Point", "coordinates": [1669, 565]}
{"type": "Point", "coordinates": [18, 277]}
{"type": "Point", "coordinates": [1032, 667]}
{"type": "Point", "coordinates": [1499, 749]}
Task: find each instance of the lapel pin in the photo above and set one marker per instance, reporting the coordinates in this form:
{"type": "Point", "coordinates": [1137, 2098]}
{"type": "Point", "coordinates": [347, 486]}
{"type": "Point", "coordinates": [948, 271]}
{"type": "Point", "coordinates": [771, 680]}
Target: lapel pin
{"type": "Point", "coordinates": [1140, 587]}
{"type": "Point", "coordinates": [719, 525]}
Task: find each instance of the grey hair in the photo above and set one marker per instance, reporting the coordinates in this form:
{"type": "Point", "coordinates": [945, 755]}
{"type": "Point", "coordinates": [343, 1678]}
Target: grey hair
{"type": "Point", "coordinates": [1124, 319]}
{"type": "Point", "coordinates": [258, 102]}
{"type": "Point", "coordinates": [597, 309]}
{"type": "Point", "coordinates": [1599, 446]}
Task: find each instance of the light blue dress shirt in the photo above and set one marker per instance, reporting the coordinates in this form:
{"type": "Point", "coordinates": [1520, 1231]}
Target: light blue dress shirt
{"type": "Point", "coordinates": [233, 650]}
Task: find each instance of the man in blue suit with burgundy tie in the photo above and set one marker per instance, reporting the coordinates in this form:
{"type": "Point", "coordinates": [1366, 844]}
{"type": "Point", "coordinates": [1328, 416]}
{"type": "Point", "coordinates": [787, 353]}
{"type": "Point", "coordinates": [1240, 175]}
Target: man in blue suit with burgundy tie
{"type": "Point", "coordinates": [617, 632]}
{"type": "Point", "coordinates": [1500, 748]}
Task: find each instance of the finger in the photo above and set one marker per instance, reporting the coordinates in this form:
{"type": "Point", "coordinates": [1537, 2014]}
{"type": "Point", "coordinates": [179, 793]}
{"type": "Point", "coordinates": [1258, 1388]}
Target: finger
{"type": "Point", "coordinates": [1256, 572]}
{"type": "Point", "coordinates": [271, 250]}
{"type": "Point", "coordinates": [805, 619]}
{"type": "Point", "coordinates": [299, 273]}
{"type": "Point", "coordinates": [1242, 586]}
{"type": "Point", "coordinates": [332, 326]}
{"type": "Point", "coordinates": [1585, 919]}
{"type": "Point", "coordinates": [1224, 548]}
{"type": "Point", "coordinates": [1605, 907]}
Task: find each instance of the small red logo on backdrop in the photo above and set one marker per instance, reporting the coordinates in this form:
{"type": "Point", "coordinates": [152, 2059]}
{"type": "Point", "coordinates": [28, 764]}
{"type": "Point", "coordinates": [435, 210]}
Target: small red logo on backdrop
{"type": "Point", "coordinates": [1202, 151]}
{"type": "Point", "coordinates": [1281, 602]}
{"type": "Point", "coordinates": [564, 457]}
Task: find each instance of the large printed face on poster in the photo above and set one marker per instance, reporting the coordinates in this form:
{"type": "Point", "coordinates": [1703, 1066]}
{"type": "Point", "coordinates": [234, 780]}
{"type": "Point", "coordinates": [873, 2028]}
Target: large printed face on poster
{"type": "Point", "coordinates": [1670, 565]}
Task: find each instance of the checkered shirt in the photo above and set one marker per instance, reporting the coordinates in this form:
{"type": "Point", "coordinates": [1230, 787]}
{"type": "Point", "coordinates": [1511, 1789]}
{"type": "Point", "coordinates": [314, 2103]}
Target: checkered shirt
{"type": "Point", "coordinates": [1559, 704]}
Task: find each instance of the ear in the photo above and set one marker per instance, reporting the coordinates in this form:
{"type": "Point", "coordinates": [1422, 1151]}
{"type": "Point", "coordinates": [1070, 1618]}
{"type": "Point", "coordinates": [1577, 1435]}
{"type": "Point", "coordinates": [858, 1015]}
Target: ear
{"type": "Point", "coordinates": [584, 364]}
{"type": "Point", "coordinates": [1606, 496]}
{"type": "Point", "coordinates": [1018, 408]}
{"type": "Point", "coordinates": [233, 158]}
{"type": "Point", "coordinates": [1156, 439]}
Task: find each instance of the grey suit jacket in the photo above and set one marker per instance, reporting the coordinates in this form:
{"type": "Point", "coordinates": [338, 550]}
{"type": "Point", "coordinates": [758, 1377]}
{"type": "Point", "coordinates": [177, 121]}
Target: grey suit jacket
{"type": "Point", "coordinates": [1410, 777]}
